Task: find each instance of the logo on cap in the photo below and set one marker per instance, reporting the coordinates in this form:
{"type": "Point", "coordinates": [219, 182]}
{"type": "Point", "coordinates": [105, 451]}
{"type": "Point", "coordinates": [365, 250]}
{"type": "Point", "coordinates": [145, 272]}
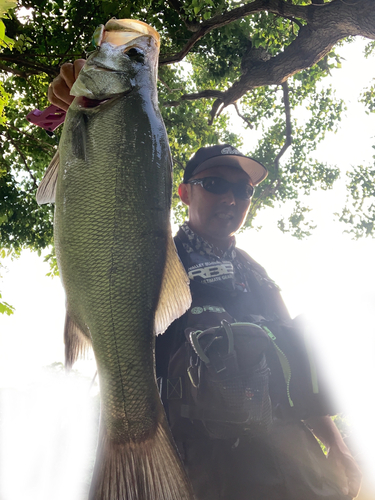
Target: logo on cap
{"type": "Point", "coordinates": [230, 151]}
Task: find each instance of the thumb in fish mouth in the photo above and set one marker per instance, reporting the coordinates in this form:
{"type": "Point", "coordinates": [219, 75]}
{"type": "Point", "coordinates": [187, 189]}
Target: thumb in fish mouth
{"type": "Point", "coordinates": [123, 31]}
{"type": "Point", "coordinates": [129, 27]}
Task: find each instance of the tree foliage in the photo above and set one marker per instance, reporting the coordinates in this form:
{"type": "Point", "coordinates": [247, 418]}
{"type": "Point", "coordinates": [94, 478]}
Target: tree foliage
{"type": "Point", "coordinates": [359, 212]}
{"type": "Point", "coordinates": [5, 308]}
{"type": "Point", "coordinates": [263, 58]}
{"type": "Point", "coordinates": [5, 41]}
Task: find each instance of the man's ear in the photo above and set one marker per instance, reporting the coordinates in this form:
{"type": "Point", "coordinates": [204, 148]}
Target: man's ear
{"type": "Point", "coordinates": [184, 193]}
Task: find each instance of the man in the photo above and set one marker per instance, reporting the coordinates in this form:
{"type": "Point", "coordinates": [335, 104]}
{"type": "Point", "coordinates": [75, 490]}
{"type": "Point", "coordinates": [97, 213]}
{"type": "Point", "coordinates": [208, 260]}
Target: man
{"type": "Point", "coordinates": [218, 184]}
{"type": "Point", "coordinates": [284, 461]}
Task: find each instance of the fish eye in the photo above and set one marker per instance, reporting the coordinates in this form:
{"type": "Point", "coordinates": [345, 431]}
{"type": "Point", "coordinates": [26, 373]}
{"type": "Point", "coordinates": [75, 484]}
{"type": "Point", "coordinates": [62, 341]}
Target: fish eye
{"type": "Point", "coordinates": [135, 54]}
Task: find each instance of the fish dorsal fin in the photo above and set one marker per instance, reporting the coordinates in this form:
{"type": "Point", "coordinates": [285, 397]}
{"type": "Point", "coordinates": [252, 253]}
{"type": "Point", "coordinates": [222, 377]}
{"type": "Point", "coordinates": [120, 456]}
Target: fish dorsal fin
{"type": "Point", "coordinates": [47, 188]}
{"type": "Point", "coordinates": [175, 297]}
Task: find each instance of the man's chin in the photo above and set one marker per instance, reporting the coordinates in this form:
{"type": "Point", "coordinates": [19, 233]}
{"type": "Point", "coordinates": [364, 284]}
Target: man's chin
{"type": "Point", "coordinates": [224, 227]}
{"type": "Point", "coordinates": [222, 234]}
{"type": "Point", "coordinates": [218, 232]}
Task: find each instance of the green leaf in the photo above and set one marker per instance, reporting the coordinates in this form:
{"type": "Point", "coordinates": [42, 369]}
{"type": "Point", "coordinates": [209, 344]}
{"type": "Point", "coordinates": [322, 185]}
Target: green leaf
{"type": "Point", "coordinates": [4, 97]}
{"type": "Point", "coordinates": [5, 5]}
{"type": "Point", "coordinates": [4, 40]}
{"type": "Point", "coordinates": [6, 308]}
{"type": "Point", "coordinates": [125, 12]}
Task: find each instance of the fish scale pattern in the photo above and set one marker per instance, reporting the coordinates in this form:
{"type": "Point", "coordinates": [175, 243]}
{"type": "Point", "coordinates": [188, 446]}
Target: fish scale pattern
{"type": "Point", "coordinates": [111, 232]}
{"type": "Point", "coordinates": [119, 267]}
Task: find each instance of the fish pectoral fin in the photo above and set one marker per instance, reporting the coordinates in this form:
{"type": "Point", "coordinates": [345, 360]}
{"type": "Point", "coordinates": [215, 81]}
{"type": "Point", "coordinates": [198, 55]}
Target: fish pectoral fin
{"type": "Point", "coordinates": [77, 343]}
{"type": "Point", "coordinates": [175, 297]}
{"type": "Point", "coordinates": [47, 188]}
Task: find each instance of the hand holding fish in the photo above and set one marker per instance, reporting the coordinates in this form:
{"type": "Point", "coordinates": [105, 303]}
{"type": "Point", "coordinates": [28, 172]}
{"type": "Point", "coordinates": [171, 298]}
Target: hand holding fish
{"type": "Point", "coordinates": [59, 89]}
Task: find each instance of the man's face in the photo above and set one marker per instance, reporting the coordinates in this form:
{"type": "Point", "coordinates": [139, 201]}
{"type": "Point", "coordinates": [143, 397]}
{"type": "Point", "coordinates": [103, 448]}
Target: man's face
{"type": "Point", "coordinates": [216, 217]}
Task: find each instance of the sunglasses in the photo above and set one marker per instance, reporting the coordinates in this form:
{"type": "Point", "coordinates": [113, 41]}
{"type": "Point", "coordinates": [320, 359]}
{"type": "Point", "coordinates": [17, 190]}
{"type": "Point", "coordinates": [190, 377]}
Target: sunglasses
{"type": "Point", "coordinates": [217, 185]}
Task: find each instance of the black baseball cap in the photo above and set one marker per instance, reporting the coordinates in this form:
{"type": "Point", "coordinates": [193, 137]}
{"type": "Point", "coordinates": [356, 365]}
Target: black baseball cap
{"type": "Point", "coordinates": [224, 155]}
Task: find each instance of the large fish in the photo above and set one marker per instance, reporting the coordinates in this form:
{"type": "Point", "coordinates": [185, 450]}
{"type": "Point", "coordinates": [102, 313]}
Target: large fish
{"type": "Point", "coordinates": [123, 280]}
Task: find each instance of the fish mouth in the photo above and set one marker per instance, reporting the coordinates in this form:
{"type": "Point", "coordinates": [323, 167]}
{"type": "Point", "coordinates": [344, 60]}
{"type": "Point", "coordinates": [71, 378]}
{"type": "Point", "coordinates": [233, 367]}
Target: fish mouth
{"type": "Point", "coordinates": [100, 67]}
{"type": "Point", "coordinates": [86, 102]}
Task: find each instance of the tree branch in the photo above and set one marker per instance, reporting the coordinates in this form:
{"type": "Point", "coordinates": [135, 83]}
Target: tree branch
{"type": "Point", "coordinates": [267, 192]}
{"type": "Point", "coordinates": [279, 7]}
{"type": "Point", "coordinates": [167, 86]}
{"type": "Point", "coordinates": [45, 39]}
{"type": "Point", "coordinates": [71, 46]}
{"type": "Point", "coordinates": [30, 136]}
{"type": "Point", "coordinates": [246, 120]}
{"type": "Point", "coordinates": [36, 68]}
{"type": "Point", "coordinates": [288, 127]}
{"type": "Point", "coordinates": [216, 110]}
{"type": "Point", "coordinates": [328, 24]}
{"type": "Point", "coordinates": [177, 7]}
{"type": "Point", "coordinates": [16, 72]}
{"type": "Point", "coordinates": [204, 94]}
{"type": "Point", "coordinates": [295, 21]}
{"type": "Point", "coordinates": [178, 162]}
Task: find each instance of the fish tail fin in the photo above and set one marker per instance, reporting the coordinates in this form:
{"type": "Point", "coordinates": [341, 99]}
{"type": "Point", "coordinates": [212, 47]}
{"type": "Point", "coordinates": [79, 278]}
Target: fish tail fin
{"type": "Point", "coordinates": [145, 470]}
{"type": "Point", "coordinates": [77, 343]}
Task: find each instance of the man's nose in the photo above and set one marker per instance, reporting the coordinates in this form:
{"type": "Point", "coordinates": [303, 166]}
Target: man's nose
{"type": "Point", "coordinates": [228, 198]}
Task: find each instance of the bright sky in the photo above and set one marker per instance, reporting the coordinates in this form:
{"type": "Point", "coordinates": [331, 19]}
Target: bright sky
{"type": "Point", "coordinates": [328, 276]}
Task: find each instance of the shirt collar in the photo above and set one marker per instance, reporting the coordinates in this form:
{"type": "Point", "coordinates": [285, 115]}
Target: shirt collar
{"type": "Point", "coordinates": [197, 244]}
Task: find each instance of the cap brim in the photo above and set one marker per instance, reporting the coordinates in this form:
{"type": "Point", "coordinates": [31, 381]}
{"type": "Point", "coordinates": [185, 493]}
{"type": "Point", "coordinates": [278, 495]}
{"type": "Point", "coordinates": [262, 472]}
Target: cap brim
{"type": "Point", "coordinates": [255, 170]}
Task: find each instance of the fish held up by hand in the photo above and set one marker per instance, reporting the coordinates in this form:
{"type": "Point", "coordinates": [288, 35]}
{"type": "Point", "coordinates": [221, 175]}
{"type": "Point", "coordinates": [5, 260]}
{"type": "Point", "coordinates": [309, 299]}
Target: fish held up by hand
{"type": "Point", "coordinates": [124, 282]}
